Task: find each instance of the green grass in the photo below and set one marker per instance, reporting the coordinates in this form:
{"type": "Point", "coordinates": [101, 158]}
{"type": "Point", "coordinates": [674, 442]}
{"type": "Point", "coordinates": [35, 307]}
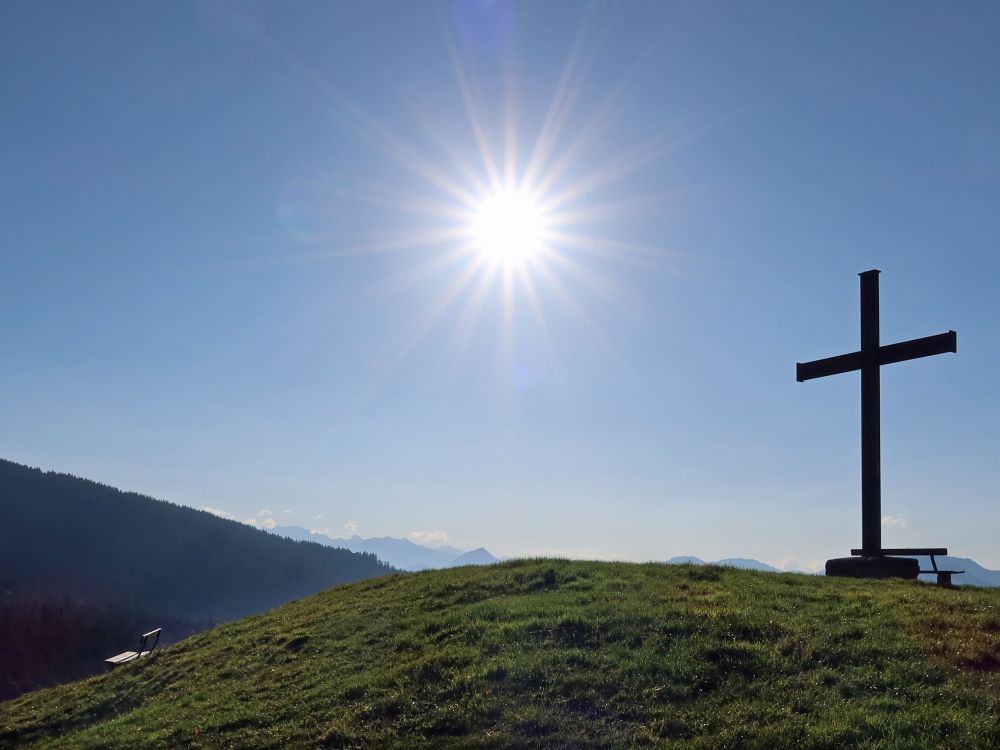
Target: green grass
{"type": "Point", "coordinates": [550, 653]}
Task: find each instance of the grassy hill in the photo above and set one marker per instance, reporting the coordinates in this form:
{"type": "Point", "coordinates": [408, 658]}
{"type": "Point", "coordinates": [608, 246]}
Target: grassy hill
{"type": "Point", "coordinates": [560, 654]}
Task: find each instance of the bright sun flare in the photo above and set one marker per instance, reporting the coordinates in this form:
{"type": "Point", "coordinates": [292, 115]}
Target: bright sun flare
{"type": "Point", "coordinates": [518, 222]}
{"type": "Point", "coordinates": [508, 227]}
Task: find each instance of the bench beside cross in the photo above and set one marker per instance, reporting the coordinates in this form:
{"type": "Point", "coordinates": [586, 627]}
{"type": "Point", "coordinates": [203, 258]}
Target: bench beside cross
{"type": "Point", "coordinates": [943, 576]}
{"type": "Point", "coordinates": [127, 656]}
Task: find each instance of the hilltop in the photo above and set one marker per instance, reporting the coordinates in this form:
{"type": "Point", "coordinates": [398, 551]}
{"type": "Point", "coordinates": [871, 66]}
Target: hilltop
{"type": "Point", "coordinates": [560, 654]}
{"type": "Point", "coordinates": [730, 562]}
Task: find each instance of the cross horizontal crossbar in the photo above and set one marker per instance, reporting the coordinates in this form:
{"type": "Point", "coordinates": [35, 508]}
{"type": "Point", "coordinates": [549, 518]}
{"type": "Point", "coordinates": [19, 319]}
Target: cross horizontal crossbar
{"type": "Point", "coordinates": [820, 368]}
{"type": "Point", "coordinates": [928, 346]}
{"type": "Point", "coordinates": [887, 355]}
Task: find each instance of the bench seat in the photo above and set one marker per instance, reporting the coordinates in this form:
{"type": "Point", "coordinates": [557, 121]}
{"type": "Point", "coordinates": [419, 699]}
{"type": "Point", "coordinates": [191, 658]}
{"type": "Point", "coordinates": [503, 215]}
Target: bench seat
{"type": "Point", "coordinates": [124, 656]}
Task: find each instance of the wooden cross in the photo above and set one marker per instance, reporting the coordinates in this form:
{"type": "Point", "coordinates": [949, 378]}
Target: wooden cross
{"type": "Point", "coordinates": [869, 359]}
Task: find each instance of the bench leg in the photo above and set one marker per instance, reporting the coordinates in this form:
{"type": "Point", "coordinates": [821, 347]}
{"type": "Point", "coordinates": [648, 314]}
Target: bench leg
{"type": "Point", "coordinates": [944, 578]}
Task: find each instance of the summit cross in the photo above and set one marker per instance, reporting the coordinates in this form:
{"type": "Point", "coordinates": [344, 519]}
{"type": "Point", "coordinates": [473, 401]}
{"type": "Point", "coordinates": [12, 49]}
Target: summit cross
{"type": "Point", "coordinates": [869, 359]}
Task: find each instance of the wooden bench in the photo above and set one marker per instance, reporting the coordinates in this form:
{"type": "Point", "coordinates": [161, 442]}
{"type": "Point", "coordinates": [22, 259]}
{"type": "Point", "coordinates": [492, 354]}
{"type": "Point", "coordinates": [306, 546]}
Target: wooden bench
{"type": "Point", "coordinates": [943, 576]}
{"type": "Point", "coordinates": [127, 656]}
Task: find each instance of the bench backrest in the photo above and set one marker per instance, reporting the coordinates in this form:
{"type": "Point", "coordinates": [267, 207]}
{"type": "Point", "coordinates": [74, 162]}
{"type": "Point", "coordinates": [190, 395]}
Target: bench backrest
{"type": "Point", "coordinates": [145, 638]}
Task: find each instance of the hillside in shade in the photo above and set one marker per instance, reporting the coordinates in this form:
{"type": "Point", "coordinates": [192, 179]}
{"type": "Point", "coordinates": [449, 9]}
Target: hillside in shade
{"type": "Point", "coordinates": [86, 568]}
{"type": "Point", "coordinates": [560, 654]}
{"type": "Point", "coordinates": [71, 536]}
{"type": "Point", "coordinates": [47, 640]}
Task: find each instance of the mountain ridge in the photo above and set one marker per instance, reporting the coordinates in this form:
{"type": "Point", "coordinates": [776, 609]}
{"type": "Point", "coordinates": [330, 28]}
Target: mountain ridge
{"type": "Point", "coordinates": [400, 552]}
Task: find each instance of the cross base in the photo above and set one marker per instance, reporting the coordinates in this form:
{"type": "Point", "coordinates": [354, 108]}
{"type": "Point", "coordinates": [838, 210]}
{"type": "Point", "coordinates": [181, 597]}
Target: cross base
{"type": "Point", "coordinates": [873, 567]}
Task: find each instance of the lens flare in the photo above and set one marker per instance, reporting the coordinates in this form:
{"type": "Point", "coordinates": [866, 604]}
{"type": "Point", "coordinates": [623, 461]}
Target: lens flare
{"type": "Point", "coordinates": [493, 217]}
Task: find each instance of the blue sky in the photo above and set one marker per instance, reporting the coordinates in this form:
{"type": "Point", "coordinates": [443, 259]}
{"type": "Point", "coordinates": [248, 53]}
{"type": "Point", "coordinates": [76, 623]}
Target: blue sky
{"type": "Point", "coordinates": [219, 267]}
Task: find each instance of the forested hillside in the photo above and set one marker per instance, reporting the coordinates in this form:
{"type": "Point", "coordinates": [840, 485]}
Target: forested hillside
{"type": "Point", "coordinates": [65, 535]}
{"type": "Point", "coordinates": [86, 568]}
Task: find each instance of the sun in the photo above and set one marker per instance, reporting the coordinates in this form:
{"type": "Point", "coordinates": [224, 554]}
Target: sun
{"type": "Point", "coordinates": [508, 227]}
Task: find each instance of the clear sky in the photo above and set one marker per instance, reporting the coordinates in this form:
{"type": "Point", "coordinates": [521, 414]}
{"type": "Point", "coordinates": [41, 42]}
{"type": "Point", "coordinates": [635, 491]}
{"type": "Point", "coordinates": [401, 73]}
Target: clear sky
{"type": "Point", "coordinates": [241, 266]}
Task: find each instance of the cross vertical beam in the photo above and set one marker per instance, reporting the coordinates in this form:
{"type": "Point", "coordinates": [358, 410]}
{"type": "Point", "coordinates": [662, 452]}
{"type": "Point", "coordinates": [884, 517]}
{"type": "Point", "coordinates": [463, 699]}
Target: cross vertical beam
{"type": "Point", "coordinates": [871, 460]}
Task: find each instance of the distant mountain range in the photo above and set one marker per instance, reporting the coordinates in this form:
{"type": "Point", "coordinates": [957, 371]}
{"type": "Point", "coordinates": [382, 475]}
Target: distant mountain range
{"type": "Point", "coordinates": [399, 553]}
{"type": "Point", "coordinates": [974, 575]}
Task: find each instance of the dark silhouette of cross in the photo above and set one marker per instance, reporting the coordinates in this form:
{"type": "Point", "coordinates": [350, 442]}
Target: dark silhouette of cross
{"type": "Point", "coordinates": [869, 359]}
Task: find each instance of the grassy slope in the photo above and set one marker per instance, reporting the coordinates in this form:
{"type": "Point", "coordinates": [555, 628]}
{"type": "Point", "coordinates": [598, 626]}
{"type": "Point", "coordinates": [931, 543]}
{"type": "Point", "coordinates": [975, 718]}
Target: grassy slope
{"type": "Point", "coordinates": [560, 654]}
